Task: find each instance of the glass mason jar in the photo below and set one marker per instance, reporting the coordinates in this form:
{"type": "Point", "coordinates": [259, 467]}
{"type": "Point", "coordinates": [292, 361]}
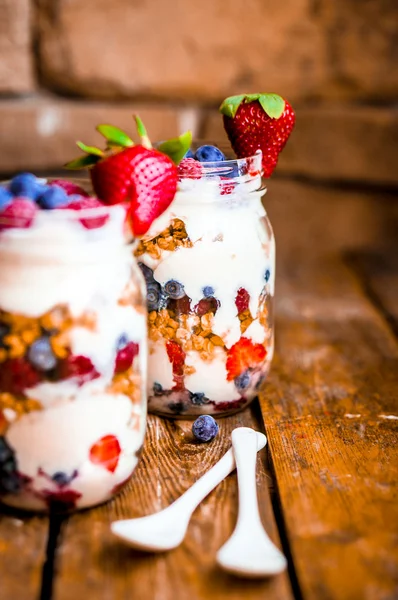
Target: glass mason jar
{"type": "Point", "coordinates": [73, 359]}
{"type": "Point", "coordinates": [209, 265]}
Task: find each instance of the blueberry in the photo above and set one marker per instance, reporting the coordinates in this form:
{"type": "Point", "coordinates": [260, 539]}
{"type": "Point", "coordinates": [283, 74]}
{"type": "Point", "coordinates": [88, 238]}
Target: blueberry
{"type": "Point", "coordinates": [26, 185]}
{"type": "Point", "coordinates": [189, 154]}
{"type": "Point", "coordinates": [10, 480]}
{"type": "Point", "coordinates": [267, 275]}
{"type": "Point", "coordinates": [208, 291]}
{"type": "Point", "coordinates": [205, 428]}
{"type": "Point", "coordinates": [147, 272]}
{"type": "Point", "coordinates": [157, 389]}
{"type": "Point", "coordinates": [174, 289]}
{"type": "Point", "coordinates": [209, 154]}
{"type": "Point", "coordinates": [198, 399]}
{"type": "Point", "coordinates": [122, 341]}
{"type": "Point", "coordinates": [5, 197]}
{"type": "Point", "coordinates": [153, 295]}
{"type": "Point", "coordinates": [63, 479]}
{"type": "Point", "coordinates": [230, 171]}
{"type": "Point", "coordinates": [41, 356]}
{"type": "Point", "coordinates": [242, 381]}
{"type": "Point", "coordinates": [53, 197]}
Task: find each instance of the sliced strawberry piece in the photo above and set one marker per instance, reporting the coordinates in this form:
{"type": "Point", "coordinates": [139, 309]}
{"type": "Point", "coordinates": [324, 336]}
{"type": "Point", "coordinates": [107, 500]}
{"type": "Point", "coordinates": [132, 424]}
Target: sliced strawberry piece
{"type": "Point", "coordinates": [69, 187]}
{"type": "Point", "coordinates": [80, 367]}
{"type": "Point", "coordinates": [106, 452]}
{"type": "Point", "coordinates": [242, 300]}
{"type": "Point", "coordinates": [244, 355]}
{"type": "Point", "coordinates": [16, 374]}
{"type": "Point", "coordinates": [20, 213]}
{"type": "Point", "coordinates": [125, 357]}
{"type": "Point", "coordinates": [189, 168]}
{"type": "Point", "coordinates": [85, 203]}
{"type": "Point", "coordinates": [176, 356]}
{"type": "Point", "coordinates": [258, 121]}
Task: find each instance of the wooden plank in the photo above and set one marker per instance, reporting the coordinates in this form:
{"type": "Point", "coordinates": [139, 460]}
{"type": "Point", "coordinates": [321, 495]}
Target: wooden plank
{"type": "Point", "coordinates": [23, 542]}
{"type": "Point", "coordinates": [330, 411]}
{"type": "Point", "coordinates": [93, 564]}
{"type": "Point", "coordinates": [378, 271]}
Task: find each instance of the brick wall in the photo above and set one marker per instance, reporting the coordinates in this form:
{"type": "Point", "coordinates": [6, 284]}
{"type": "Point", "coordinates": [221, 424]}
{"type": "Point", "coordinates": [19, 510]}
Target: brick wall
{"type": "Point", "coordinates": [66, 65]}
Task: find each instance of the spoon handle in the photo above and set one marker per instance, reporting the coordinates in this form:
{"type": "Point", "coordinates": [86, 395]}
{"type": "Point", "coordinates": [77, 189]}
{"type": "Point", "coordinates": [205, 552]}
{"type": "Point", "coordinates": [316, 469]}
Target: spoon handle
{"type": "Point", "coordinates": [244, 446]}
{"type": "Point", "coordinates": [203, 486]}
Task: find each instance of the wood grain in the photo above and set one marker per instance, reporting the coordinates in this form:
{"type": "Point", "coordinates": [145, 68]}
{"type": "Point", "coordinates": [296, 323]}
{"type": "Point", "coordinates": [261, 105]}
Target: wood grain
{"type": "Point", "coordinates": [23, 542]}
{"type": "Point", "coordinates": [93, 563]}
{"type": "Point", "coordinates": [331, 415]}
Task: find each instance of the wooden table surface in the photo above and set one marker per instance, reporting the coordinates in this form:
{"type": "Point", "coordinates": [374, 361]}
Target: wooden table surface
{"type": "Point", "coordinates": [327, 482]}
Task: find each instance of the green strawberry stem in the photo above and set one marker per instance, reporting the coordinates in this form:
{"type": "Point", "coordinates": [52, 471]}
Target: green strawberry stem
{"type": "Point", "coordinates": [114, 136]}
{"type": "Point", "coordinates": [83, 162]}
{"type": "Point", "coordinates": [90, 149]}
{"type": "Point", "coordinates": [177, 148]}
{"type": "Point", "coordinates": [272, 104]}
{"type": "Point", "coordinates": [145, 141]}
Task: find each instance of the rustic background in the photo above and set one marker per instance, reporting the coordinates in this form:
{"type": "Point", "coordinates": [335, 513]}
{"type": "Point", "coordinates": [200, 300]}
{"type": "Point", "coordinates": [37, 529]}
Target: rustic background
{"type": "Point", "coordinates": [66, 65]}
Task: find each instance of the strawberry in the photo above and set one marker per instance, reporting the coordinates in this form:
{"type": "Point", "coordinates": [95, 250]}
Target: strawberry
{"type": "Point", "coordinates": [69, 187]}
{"type": "Point", "coordinates": [189, 168]}
{"type": "Point", "coordinates": [19, 213]}
{"type": "Point", "coordinates": [244, 355]}
{"type": "Point", "coordinates": [106, 452]}
{"type": "Point", "coordinates": [258, 122]}
{"type": "Point", "coordinates": [139, 175]}
{"type": "Point", "coordinates": [176, 356]}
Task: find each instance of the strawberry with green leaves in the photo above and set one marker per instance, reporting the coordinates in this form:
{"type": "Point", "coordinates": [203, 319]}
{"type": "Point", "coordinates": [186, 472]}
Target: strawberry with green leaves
{"type": "Point", "coordinates": [258, 122]}
{"type": "Point", "coordinates": [139, 175]}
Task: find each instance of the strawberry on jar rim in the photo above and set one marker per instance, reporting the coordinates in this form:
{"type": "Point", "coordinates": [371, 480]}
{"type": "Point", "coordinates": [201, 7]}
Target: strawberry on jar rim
{"type": "Point", "coordinates": [258, 122]}
{"type": "Point", "coordinates": [139, 175]}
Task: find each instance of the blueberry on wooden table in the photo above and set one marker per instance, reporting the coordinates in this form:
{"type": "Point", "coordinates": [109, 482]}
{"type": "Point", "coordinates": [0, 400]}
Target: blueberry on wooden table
{"type": "Point", "coordinates": [205, 428]}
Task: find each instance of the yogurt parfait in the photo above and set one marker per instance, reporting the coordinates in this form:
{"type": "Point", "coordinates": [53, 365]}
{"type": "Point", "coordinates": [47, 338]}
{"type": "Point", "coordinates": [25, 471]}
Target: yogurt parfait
{"type": "Point", "coordinates": [209, 265]}
{"type": "Point", "coordinates": [73, 337]}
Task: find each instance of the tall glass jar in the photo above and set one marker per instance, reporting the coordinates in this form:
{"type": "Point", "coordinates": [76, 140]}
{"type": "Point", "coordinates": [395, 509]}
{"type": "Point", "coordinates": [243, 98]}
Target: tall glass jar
{"type": "Point", "coordinates": [73, 357]}
{"type": "Point", "coordinates": [209, 265]}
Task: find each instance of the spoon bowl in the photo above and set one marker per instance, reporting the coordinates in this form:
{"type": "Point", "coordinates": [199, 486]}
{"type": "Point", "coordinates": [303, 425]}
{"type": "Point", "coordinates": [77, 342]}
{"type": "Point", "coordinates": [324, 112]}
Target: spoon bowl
{"type": "Point", "coordinates": [166, 529]}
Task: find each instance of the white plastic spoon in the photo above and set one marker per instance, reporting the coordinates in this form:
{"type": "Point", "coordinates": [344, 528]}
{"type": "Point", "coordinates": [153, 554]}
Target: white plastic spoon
{"type": "Point", "coordinates": [249, 552]}
{"type": "Point", "coordinates": [166, 529]}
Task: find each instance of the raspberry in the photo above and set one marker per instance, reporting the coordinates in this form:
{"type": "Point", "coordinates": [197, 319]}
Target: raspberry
{"type": "Point", "coordinates": [206, 305]}
{"type": "Point", "coordinates": [176, 356]}
{"type": "Point", "coordinates": [189, 168]}
{"type": "Point", "coordinates": [16, 374]}
{"type": "Point", "coordinates": [125, 357]}
{"type": "Point", "coordinates": [19, 213]}
{"type": "Point", "coordinates": [69, 187]}
{"type": "Point", "coordinates": [78, 366]}
{"type": "Point", "coordinates": [242, 300]}
{"type": "Point", "coordinates": [106, 452]}
{"type": "Point", "coordinates": [86, 203]}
